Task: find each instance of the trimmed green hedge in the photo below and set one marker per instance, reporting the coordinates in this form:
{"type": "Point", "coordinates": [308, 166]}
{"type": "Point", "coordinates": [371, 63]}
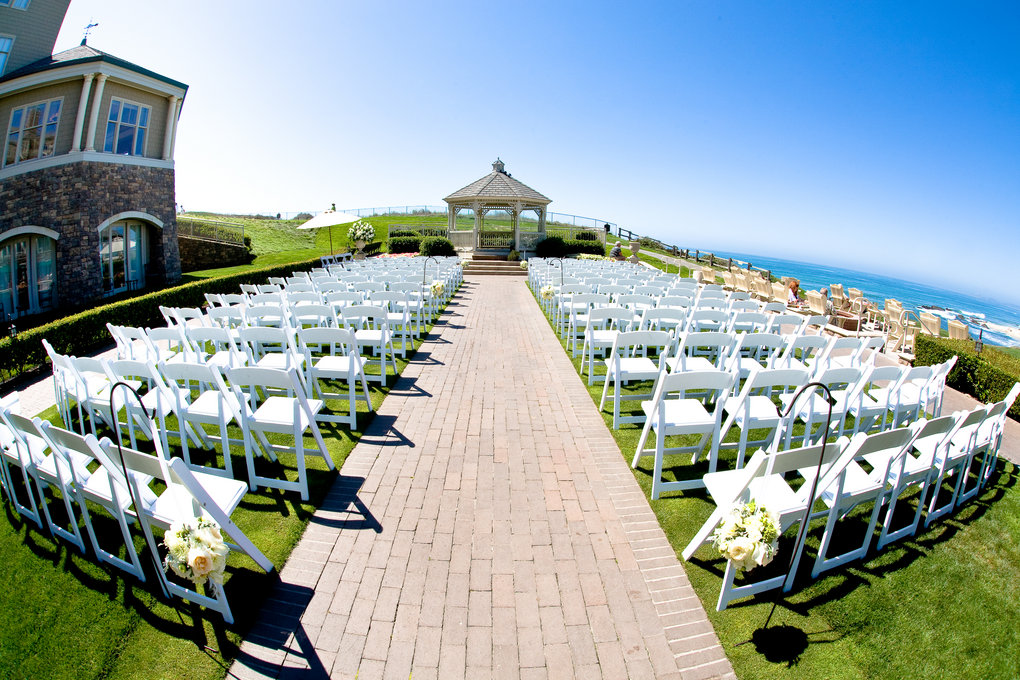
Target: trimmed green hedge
{"type": "Point", "coordinates": [555, 246]}
{"type": "Point", "coordinates": [437, 246]}
{"type": "Point", "coordinates": [404, 244]}
{"type": "Point", "coordinates": [973, 374]}
{"type": "Point", "coordinates": [86, 331]}
{"type": "Point", "coordinates": [577, 246]}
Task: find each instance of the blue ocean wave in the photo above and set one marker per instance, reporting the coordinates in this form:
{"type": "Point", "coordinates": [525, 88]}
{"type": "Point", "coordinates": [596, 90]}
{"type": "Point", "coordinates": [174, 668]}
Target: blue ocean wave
{"type": "Point", "coordinates": [981, 315]}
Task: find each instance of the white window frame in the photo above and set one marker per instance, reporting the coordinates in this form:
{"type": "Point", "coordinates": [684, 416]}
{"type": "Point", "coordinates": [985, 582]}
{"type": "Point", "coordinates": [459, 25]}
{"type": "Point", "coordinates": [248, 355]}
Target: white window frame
{"type": "Point", "coordinates": [133, 280]}
{"type": "Point", "coordinates": [5, 56]}
{"type": "Point", "coordinates": [21, 131]}
{"type": "Point", "coordinates": [137, 126]}
{"type": "Point", "coordinates": [31, 240]}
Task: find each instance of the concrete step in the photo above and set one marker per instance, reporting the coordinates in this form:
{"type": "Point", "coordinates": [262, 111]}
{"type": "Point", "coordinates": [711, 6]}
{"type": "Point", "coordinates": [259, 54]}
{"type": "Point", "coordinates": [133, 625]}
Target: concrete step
{"type": "Point", "coordinates": [486, 267]}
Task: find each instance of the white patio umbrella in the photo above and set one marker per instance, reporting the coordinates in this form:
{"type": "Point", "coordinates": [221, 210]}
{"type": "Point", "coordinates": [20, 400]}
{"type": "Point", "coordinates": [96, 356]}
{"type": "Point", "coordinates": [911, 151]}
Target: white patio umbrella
{"type": "Point", "coordinates": [328, 219]}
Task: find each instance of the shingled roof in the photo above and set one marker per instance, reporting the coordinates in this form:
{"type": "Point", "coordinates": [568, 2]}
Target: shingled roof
{"type": "Point", "coordinates": [82, 54]}
{"type": "Point", "coordinates": [498, 185]}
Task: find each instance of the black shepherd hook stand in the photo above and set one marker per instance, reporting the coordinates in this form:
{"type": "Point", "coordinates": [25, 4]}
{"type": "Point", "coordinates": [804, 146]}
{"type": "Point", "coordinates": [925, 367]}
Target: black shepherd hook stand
{"type": "Point", "coordinates": [425, 269]}
{"type": "Point", "coordinates": [120, 452]}
{"type": "Point", "coordinates": [131, 486]}
{"type": "Point", "coordinates": [760, 637]}
{"type": "Point", "coordinates": [559, 263]}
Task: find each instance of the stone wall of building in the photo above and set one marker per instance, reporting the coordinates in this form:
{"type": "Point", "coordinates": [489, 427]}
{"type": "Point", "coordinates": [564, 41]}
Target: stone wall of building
{"type": "Point", "coordinates": [197, 253]}
{"type": "Point", "coordinates": [74, 199]}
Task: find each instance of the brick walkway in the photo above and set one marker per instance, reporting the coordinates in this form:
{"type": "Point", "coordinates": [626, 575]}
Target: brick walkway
{"type": "Point", "coordinates": [485, 526]}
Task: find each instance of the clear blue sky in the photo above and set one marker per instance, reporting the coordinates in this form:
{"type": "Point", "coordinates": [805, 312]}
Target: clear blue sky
{"type": "Point", "coordinates": [882, 136]}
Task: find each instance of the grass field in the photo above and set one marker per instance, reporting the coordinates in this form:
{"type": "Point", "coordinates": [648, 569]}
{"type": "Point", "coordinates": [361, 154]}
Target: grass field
{"type": "Point", "coordinates": [941, 604]}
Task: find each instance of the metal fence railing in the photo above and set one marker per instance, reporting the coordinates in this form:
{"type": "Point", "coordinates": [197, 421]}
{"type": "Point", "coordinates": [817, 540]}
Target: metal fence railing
{"type": "Point", "coordinates": [211, 230]}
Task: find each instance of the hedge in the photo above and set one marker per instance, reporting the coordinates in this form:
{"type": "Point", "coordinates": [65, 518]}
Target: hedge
{"type": "Point", "coordinates": [419, 232]}
{"type": "Point", "coordinates": [973, 374]}
{"type": "Point", "coordinates": [84, 332]}
{"type": "Point", "coordinates": [438, 246]}
{"type": "Point", "coordinates": [404, 244]}
{"type": "Point", "coordinates": [555, 246]}
{"type": "Point", "coordinates": [397, 233]}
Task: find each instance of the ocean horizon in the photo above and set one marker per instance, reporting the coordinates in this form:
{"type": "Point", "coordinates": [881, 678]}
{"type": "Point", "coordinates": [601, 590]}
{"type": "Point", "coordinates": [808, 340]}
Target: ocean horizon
{"type": "Point", "coordinates": [990, 318]}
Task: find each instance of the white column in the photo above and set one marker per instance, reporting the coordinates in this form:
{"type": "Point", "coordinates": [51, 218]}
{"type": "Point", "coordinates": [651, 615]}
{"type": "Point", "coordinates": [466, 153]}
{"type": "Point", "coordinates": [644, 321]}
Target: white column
{"type": "Point", "coordinates": [171, 127]}
{"type": "Point", "coordinates": [83, 102]}
{"type": "Point", "coordinates": [97, 99]}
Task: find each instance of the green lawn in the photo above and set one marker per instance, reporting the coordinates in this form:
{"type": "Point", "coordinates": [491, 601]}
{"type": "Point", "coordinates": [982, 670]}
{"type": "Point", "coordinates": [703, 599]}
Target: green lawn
{"type": "Point", "coordinates": [67, 617]}
{"type": "Point", "coordinates": [941, 604]}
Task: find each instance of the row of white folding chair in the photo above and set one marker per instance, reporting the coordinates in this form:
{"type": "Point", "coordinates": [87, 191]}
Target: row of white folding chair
{"type": "Point", "coordinates": [84, 471]}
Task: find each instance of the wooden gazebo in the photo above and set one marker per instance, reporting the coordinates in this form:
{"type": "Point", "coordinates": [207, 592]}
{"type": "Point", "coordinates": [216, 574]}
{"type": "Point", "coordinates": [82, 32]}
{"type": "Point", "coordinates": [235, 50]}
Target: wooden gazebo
{"type": "Point", "coordinates": [498, 192]}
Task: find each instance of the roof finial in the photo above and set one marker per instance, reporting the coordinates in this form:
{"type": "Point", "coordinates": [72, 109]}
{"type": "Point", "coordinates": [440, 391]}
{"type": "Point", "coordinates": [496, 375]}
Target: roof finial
{"type": "Point", "coordinates": [498, 166]}
{"type": "Point", "coordinates": [92, 24]}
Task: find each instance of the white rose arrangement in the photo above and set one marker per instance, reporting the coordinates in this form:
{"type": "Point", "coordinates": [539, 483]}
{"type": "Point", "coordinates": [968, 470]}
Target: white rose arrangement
{"type": "Point", "coordinates": [748, 537]}
{"type": "Point", "coordinates": [437, 288]}
{"type": "Point", "coordinates": [547, 292]}
{"type": "Point", "coordinates": [524, 264]}
{"type": "Point", "coordinates": [361, 231]}
{"type": "Point", "coordinates": [196, 551]}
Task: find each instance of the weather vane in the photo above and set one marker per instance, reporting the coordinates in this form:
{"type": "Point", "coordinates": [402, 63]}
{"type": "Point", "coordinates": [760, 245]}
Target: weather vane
{"type": "Point", "coordinates": [92, 24]}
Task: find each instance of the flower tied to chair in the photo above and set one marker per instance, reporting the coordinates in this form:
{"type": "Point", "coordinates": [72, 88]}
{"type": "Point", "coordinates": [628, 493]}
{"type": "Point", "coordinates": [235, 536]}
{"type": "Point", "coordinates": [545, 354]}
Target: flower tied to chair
{"type": "Point", "coordinates": [196, 550]}
{"type": "Point", "coordinates": [547, 292]}
{"type": "Point", "coordinates": [748, 537]}
{"type": "Point", "coordinates": [437, 288]}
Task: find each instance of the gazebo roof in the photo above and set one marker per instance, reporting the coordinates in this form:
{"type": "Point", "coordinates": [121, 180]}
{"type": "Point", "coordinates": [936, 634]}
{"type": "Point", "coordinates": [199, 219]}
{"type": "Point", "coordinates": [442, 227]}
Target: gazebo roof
{"type": "Point", "coordinates": [498, 185]}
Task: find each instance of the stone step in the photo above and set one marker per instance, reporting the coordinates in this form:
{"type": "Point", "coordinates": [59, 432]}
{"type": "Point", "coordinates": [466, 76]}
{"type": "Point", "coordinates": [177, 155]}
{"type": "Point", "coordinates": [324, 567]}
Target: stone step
{"type": "Point", "coordinates": [494, 268]}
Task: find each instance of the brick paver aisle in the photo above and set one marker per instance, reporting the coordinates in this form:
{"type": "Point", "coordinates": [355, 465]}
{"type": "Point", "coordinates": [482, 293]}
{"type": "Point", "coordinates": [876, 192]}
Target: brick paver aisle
{"type": "Point", "coordinates": [486, 526]}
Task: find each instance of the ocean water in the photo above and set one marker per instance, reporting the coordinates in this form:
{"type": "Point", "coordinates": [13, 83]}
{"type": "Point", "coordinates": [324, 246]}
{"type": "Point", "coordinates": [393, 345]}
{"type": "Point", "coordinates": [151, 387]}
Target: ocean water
{"type": "Point", "coordinates": [981, 314]}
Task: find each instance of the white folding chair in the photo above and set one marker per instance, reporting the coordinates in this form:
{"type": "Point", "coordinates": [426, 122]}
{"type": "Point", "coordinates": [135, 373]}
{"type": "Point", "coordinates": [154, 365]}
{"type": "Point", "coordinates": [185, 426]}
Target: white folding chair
{"type": "Point", "coordinates": [753, 352]}
{"type": "Point", "coordinates": [203, 398]}
{"type": "Point", "coordinates": [217, 344]}
{"type": "Point", "coordinates": [96, 488]}
{"type": "Point", "coordinates": [907, 471]}
{"type": "Point", "coordinates": [754, 407]}
{"type": "Point", "coordinates": [766, 481]}
{"type": "Point", "coordinates": [52, 467]}
{"type": "Point", "coordinates": [23, 452]}
{"type": "Point", "coordinates": [331, 354]}
{"type": "Point", "coordinates": [815, 408]}
{"type": "Point", "coordinates": [604, 324]}
{"type": "Point", "coordinates": [857, 486]}
{"type": "Point", "coordinates": [264, 412]}
{"type": "Point", "coordinates": [270, 347]}
{"type": "Point", "coordinates": [636, 356]}
{"type": "Point", "coordinates": [674, 412]}
{"type": "Point", "coordinates": [705, 351]}
{"type": "Point", "coordinates": [873, 409]}
{"type": "Point", "coordinates": [187, 495]}
{"type": "Point", "coordinates": [371, 329]}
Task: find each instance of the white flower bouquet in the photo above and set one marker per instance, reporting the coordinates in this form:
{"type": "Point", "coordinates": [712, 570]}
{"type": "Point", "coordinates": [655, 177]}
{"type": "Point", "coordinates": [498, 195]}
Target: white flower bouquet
{"type": "Point", "coordinates": [547, 292]}
{"type": "Point", "coordinates": [196, 550]}
{"type": "Point", "coordinates": [437, 288]}
{"type": "Point", "coordinates": [524, 264]}
{"type": "Point", "coordinates": [748, 537]}
{"type": "Point", "coordinates": [361, 231]}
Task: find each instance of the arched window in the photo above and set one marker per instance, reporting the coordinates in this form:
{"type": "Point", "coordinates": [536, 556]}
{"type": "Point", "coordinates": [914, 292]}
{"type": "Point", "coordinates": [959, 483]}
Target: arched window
{"type": "Point", "coordinates": [27, 269]}
{"type": "Point", "coordinates": [123, 255]}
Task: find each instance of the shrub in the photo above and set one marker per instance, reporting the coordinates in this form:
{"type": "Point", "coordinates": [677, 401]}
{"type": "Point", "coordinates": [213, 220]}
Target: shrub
{"type": "Point", "coordinates": [303, 216]}
{"type": "Point", "coordinates": [587, 236]}
{"type": "Point", "coordinates": [513, 256]}
{"type": "Point", "coordinates": [973, 374]}
{"type": "Point", "coordinates": [404, 244]}
{"type": "Point", "coordinates": [438, 246]}
{"type": "Point", "coordinates": [397, 233]}
{"type": "Point", "coordinates": [86, 331]}
{"type": "Point", "coordinates": [575, 246]}
{"type": "Point", "coordinates": [551, 246]}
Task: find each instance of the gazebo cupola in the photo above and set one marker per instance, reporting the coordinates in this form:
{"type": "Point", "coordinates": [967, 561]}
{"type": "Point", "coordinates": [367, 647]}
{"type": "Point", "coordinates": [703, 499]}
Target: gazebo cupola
{"type": "Point", "coordinates": [507, 213]}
